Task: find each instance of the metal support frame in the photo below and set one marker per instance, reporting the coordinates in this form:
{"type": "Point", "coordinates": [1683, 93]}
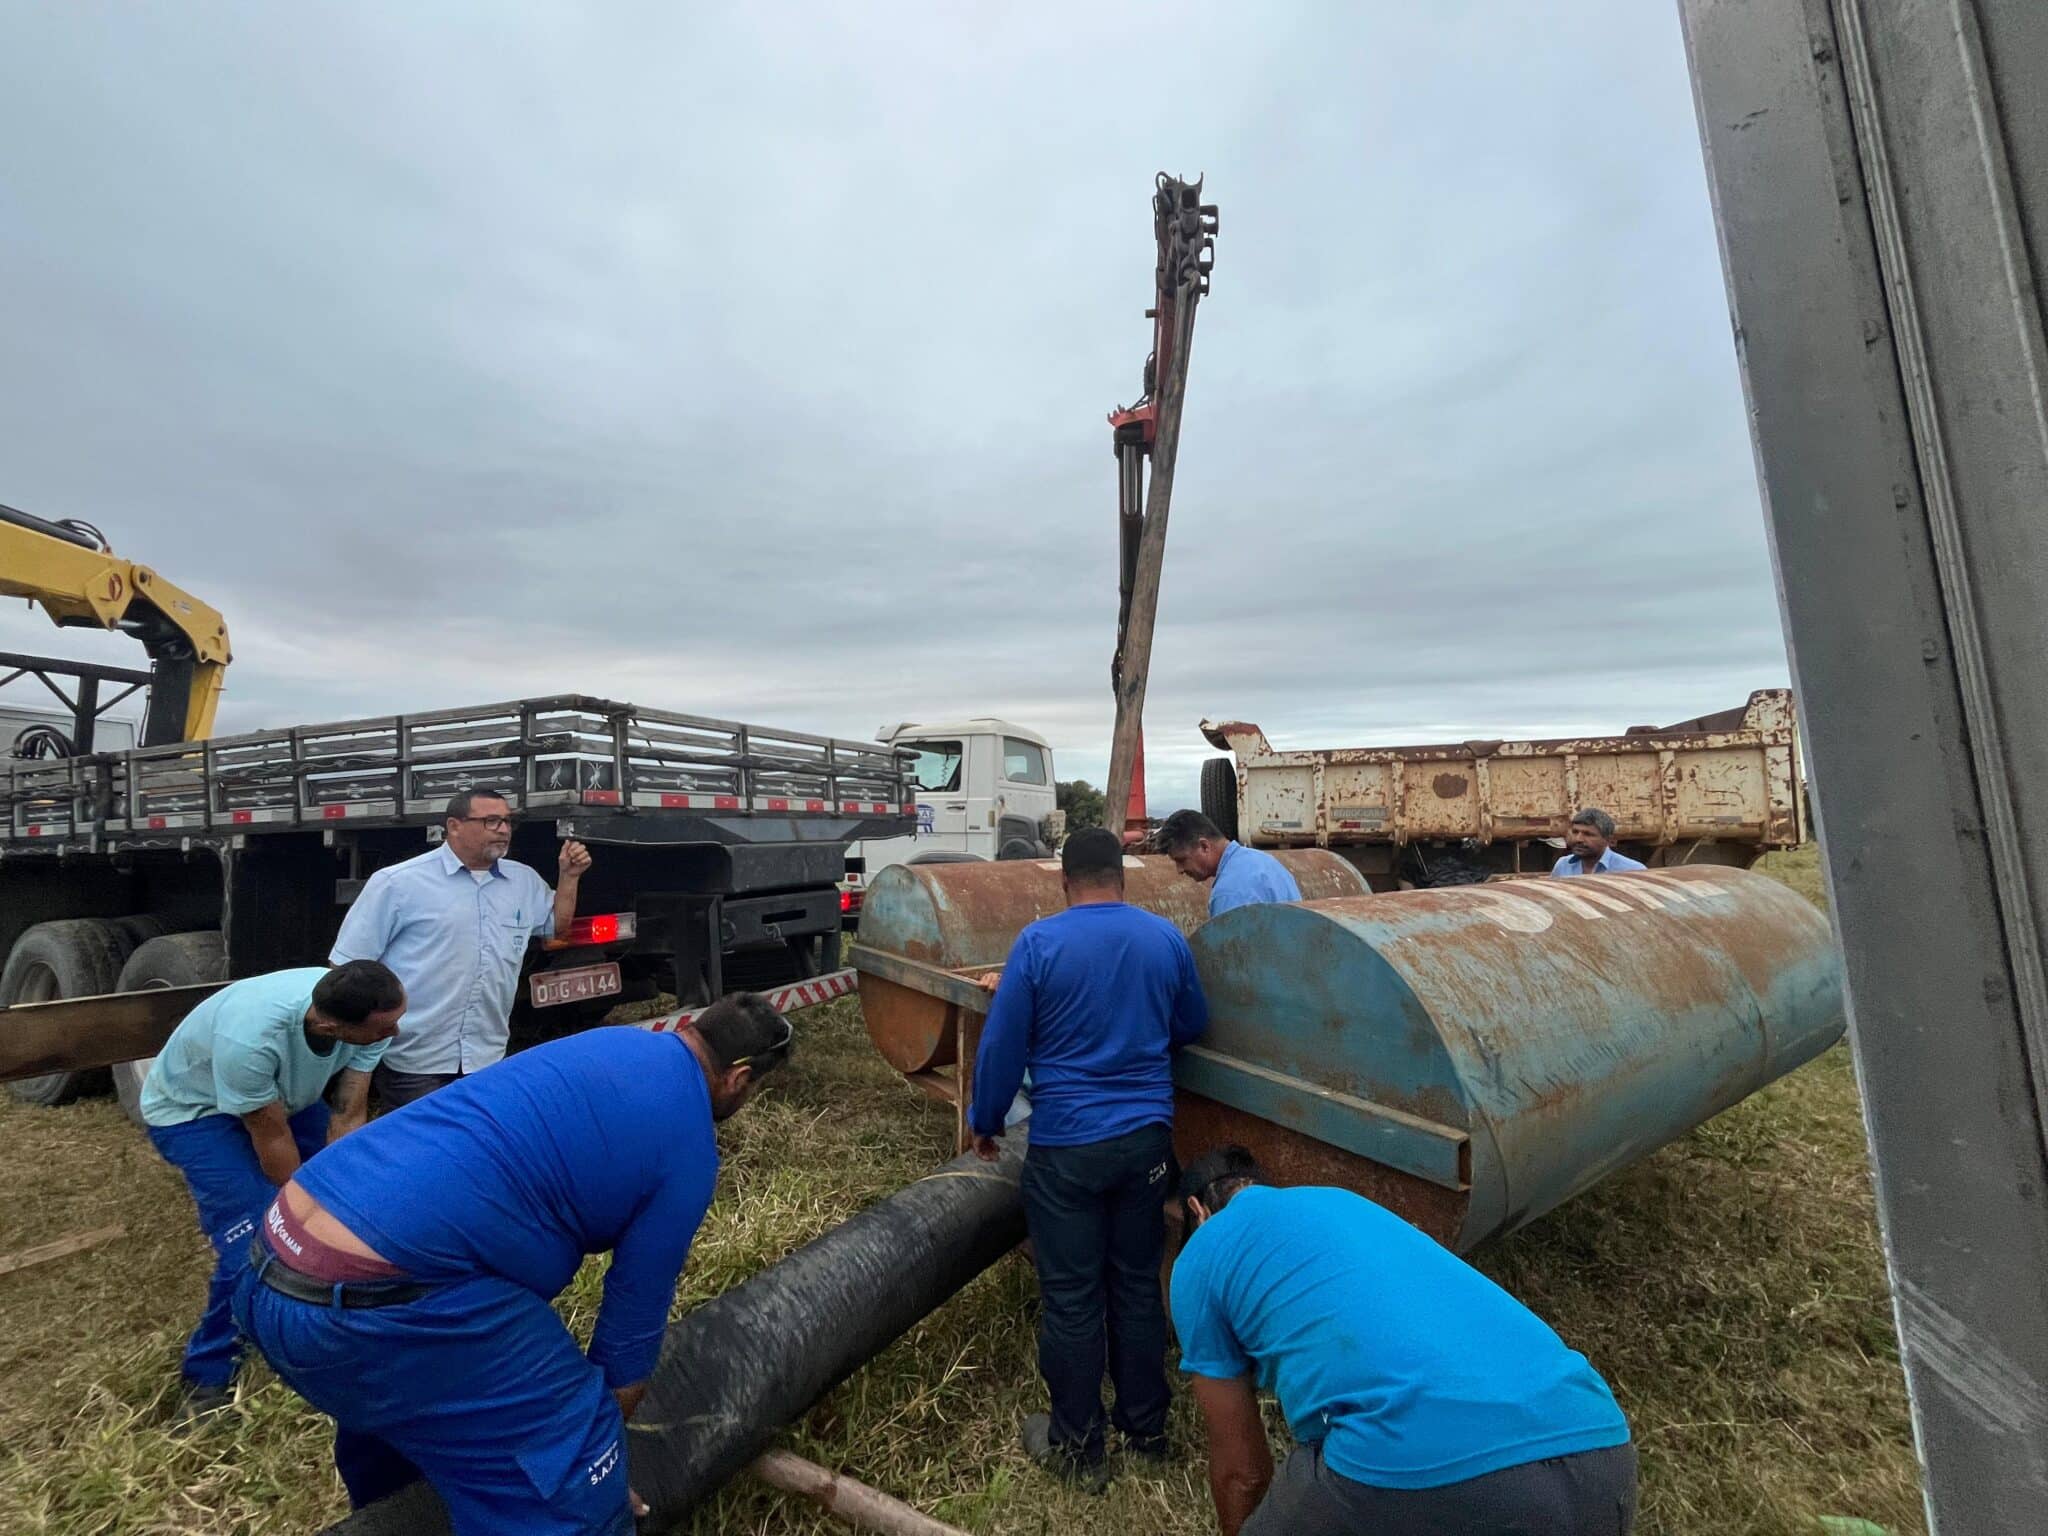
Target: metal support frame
{"type": "Point", "coordinates": [85, 706]}
{"type": "Point", "coordinates": [1880, 181]}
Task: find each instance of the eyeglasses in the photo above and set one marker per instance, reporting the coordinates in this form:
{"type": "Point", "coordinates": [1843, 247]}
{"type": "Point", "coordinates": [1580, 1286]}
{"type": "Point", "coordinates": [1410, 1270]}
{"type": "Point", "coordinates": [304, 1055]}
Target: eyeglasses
{"type": "Point", "coordinates": [788, 1037]}
{"type": "Point", "coordinates": [493, 823]}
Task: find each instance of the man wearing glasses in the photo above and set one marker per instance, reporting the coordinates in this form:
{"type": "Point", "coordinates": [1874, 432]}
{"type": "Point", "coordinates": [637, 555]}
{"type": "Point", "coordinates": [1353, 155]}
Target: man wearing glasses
{"type": "Point", "coordinates": [401, 1281]}
{"type": "Point", "coordinates": [454, 924]}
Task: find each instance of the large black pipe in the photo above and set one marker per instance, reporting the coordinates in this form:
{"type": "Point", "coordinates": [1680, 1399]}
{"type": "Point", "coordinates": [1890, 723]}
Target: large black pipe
{"type": "Point", "coordinates": [746, 1363]}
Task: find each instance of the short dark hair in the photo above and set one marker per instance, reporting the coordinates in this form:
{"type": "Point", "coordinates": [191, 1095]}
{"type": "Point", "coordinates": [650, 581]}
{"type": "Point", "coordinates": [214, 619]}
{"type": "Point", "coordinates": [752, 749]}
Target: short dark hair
{"type": "Point", "coordinates": [1182, 830]}
{"type": "Point", "coordinates": [355, 989]}
{"type": "Point", "coordinates": [746, 1028]}
{"type": "Point", "coordinates": [465, 802]}
{"type": "Point", "coordinates": [1216, 1175]}
{"type": "Point", "coordinates": [1093, 856]}
{"type": "Point", "coordinates": [1592, 816]}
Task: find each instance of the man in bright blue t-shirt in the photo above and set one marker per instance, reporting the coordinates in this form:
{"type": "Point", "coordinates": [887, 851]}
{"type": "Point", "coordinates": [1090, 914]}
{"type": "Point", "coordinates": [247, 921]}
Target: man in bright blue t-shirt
{"type": "Point", "coordinates": [402, 1280]}
{"type": "Point", "coordinates": [1094, 1001]}
{"type": "Point", "coordinates": [1422, 1397]}
{"type": "Point", "coordinates": [236, 1101]}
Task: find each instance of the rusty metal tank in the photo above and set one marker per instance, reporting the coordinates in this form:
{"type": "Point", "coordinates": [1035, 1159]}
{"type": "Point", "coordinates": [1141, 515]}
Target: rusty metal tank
{"type": "Point", "coordinates": [1474, 1056]}
{"type": "Point", "coordinates": [954, 916]}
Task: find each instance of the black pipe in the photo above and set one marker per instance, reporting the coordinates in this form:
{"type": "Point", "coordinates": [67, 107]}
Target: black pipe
{"type": "Point", "coordinates": [746, 1363]}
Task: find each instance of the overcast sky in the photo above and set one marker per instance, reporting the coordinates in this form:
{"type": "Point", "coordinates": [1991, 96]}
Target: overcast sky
{"type": "Point", "coordinates": [753, 360]}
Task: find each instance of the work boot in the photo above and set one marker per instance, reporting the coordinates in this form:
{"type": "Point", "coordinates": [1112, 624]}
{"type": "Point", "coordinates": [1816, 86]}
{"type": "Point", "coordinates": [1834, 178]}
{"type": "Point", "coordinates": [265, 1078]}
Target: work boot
{"type": "Point", "coordinates": [197, 1404]}
{"type": "Point", "coordinates": [1154, 1450]}
{"type": "Point", "coordinates": [1088, 1476]}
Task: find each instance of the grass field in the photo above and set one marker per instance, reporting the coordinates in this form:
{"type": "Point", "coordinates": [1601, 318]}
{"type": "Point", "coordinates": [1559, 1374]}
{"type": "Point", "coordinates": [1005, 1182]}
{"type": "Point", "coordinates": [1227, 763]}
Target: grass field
{"type": "Point", "coordinates": [1730, 1287]}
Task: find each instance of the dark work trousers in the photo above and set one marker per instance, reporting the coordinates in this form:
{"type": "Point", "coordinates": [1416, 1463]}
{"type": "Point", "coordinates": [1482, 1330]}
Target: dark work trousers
{"type": "Point", "coordinates": [396, 1089]}
{"type": "Point", "coordinates": [228, 1184]}
{"type": "Point", "coordinates": [1590, 1494]}
{"type": "Point", "coordinates": [475, 1384]}
{"type": "Point", "coordinates": [1098, 1228]}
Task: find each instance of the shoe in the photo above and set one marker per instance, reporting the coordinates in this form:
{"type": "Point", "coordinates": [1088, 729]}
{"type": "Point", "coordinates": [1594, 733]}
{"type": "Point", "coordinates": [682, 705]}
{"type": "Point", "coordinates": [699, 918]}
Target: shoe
{"type": "Point", "coordinates": [1088, 1476]}
{"type": "Point", "coordinates": [1156, 1450]}
{"type": "Point", "coordinates": [199, 1403]}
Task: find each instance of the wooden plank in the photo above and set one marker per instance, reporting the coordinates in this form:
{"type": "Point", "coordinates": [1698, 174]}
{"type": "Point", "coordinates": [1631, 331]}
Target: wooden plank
{"type": "Point", "coordinates": [962, 990]}
{"type": "Point", "coordinates": [76, 1033]}
{"type": "Point", "coordinates": [865, 1508]}
{"type": "Point", "coordinates": [42, 1253]}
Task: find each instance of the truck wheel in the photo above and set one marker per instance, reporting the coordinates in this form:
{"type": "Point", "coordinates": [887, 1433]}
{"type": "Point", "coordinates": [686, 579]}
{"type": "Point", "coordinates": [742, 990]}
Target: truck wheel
{"type": "Point", "coordinates": [78, 957]}
{"type": "Point", "coordinates": [948, 856]}
{"type": "Point", "coordinates": [1219, 794]}
{"type": "Point", "coordinates": [169, 960]}
{"type": "Point", "coordinates": [1020, 848]}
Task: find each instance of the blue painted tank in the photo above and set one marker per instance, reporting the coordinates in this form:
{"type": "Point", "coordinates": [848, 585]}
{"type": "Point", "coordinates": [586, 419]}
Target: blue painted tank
{"type": "Point", "coordinates": [1474, 1056]}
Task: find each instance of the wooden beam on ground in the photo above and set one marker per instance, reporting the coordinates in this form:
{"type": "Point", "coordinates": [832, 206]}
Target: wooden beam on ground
{"type": "Point", "coordinates": [865, 1508]}
{"type": "Point", "coordinates": [76, 1033]}
{"type": "Point", "coordinates": [78, 1242]}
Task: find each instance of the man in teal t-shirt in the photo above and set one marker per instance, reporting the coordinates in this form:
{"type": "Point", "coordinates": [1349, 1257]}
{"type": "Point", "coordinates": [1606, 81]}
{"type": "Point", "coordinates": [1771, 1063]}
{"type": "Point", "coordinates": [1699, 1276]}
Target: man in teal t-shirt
{"type": "Point", "coordinates": [236, 1101]}
{"type": "Point", "coordinates": [1422, 1397]}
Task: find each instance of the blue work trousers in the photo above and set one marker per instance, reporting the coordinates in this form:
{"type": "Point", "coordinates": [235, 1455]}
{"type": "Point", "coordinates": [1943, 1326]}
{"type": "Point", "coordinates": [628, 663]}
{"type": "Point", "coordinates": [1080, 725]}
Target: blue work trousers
{"type": "Point", "coordinates": [475, 1385]}
{"type": "Point", "coordinates": [218, 1160]}
{"type": "Point", "coordinates": [1097, 1219]}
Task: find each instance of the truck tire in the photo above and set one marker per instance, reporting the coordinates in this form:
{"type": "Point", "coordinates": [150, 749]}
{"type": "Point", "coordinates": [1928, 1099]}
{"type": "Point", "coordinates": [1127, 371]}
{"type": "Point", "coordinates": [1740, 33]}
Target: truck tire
{"type": "Point", "coordinates": [76, 957]}
{"type": "Point", "coordinates": [170, 960]}
{"type": "Point", "coordinates": [1219, 794]}
{"type": "Point", "coordinates": [1021, 848]}
{"type": "Point", "coordinates": [948, 856]}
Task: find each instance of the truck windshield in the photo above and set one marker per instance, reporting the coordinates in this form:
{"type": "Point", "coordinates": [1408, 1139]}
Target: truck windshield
{"type": "Point", "coordinates": [936, 770]}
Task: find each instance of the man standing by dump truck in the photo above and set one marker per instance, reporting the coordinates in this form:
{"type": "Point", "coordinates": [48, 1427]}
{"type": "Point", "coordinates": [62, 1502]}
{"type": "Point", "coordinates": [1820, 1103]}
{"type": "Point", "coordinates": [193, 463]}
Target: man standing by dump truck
{"type": "Point", "coordinates": [454, 923]}
{"type": "Point", "coordinates": [1590, 838]}
{"type": "Point", "coordinates": [402, 1282]}
{"type": "Point", "coordinates": [1093, 1001]}
{"type": "Point", "coordinates": [1422, 1397]}
{"type": "Point", "coordinates": [234, 1102]}
{"type": "Point", "coordinates": [1241, 875]}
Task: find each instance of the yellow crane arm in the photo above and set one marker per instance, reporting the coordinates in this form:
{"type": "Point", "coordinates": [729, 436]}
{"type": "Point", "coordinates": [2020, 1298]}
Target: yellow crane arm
{"type": "Point", "coordinates": [79, 584]}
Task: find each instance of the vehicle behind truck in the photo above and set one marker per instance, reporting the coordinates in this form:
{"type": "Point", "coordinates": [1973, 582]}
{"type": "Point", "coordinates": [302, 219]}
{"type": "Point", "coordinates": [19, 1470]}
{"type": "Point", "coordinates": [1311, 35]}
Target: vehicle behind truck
{"type": "Point", "coordinates": [984, 790]}
{"type": "Point", "coordinates": [1721, 789]}
{"type": "Point", "coordinates": [718, 849]}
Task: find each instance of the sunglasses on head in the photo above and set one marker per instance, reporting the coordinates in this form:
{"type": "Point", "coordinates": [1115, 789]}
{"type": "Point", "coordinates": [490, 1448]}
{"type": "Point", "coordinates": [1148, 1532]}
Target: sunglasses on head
{"type": "Point", "coordinates": [788, 1035]}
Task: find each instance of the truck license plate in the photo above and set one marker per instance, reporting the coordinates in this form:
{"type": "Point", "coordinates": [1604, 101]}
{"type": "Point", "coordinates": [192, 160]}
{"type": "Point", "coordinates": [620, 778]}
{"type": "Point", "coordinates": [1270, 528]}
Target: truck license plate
{"type": "Point", "coordinates": [549, 989]}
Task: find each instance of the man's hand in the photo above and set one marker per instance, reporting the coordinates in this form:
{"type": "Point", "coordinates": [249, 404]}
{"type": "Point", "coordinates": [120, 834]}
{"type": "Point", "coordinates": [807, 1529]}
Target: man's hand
{"type": "Point", "coordinates": [277, 1153]}
{"type": "Point", "coordinates": [987, 1148]}
{"type": "Point", "coordinates": [574, 860]}
{"type": "Point", "coordinates": [988, 981]}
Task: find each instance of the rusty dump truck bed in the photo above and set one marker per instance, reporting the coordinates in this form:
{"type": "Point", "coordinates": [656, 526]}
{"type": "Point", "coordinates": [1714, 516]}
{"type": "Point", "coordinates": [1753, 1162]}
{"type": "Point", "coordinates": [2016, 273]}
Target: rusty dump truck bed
{"type": "Point", "coordinates": [1720, 789]}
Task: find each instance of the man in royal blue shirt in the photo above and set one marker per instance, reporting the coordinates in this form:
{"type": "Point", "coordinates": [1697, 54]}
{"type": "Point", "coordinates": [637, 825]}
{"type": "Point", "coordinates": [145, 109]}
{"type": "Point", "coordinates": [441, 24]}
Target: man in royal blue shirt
{"type": "Point", "coordinates": [402, 1279]}
{"type": "Point", "coordinates": [1238, 876]}
{"type": "Point", "coordinates": [1093, 1001]}
{"type": "Point", "coordinates": [1422, 1397]}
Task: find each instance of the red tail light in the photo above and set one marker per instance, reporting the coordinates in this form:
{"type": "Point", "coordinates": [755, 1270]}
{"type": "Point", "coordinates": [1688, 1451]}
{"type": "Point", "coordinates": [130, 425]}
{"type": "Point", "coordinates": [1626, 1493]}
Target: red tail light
{"type": "Point", "coordinates": [849, 902]}
{"type": "Point", "coordinates": [605, 928]}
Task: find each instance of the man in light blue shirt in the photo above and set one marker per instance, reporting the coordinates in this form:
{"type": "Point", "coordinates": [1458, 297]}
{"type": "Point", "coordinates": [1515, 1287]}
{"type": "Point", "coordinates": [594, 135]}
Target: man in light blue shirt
{"type": "Point", "coordinates": [1241, 875]}
{"type": "Point", "coordinates": [454, 924]}
{"type": "Point", "coordinates": [235, 1102]}
{"type": "Point", "coordinates": [1591, 841]}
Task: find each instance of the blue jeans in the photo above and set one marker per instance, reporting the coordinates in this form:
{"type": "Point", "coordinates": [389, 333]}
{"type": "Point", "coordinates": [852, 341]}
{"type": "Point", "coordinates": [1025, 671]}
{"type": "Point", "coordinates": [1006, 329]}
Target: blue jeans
{"type": "Point", "coordinates": [476, 1385]}
{"type": "Point", "coordinates": [1096, 1214]}
{"type": "Point", "coordinates": [218, 1160]}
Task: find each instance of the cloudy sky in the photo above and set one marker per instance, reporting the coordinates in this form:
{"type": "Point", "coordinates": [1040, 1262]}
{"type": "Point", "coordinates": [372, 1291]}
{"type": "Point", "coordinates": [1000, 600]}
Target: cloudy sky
{"type": "Point", "coordinates": [754, 360]}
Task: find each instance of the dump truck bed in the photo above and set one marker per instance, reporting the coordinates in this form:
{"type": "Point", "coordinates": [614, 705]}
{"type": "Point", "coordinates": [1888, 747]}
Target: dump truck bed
{"type": "Point", "coordinates": [1723, 789]}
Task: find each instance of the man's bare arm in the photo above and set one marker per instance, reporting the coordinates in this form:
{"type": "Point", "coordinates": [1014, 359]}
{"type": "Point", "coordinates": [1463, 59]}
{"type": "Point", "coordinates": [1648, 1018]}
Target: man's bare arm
{"type": "Point", "coordinates": [1240, 1461]}
{"type": "Point", "coordinates": [351, 1104]}
{"type": "Point", "coordinates": [270, 1128]}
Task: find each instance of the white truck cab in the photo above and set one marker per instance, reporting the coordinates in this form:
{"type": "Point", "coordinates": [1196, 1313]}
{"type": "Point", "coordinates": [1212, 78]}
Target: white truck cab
{"type": "Point", "coordinates": [984, 791]}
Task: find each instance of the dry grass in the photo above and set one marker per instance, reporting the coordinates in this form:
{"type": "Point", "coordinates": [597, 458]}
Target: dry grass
{"type": "Point", "coordinates": [1729, 1286]}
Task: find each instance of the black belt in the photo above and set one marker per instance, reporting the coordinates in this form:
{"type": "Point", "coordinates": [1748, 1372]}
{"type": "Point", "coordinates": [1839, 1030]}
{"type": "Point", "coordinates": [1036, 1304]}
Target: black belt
{"type": "Point", "coordinates": [286, 1281]}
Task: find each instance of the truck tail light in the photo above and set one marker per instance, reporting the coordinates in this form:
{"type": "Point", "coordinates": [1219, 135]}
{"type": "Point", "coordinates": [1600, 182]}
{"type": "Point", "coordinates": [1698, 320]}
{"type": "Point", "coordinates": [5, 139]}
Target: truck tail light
{"type": "Point", "coordinates": [605, 928]}
{"type": "Point", "coordinates": [849, 903]}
